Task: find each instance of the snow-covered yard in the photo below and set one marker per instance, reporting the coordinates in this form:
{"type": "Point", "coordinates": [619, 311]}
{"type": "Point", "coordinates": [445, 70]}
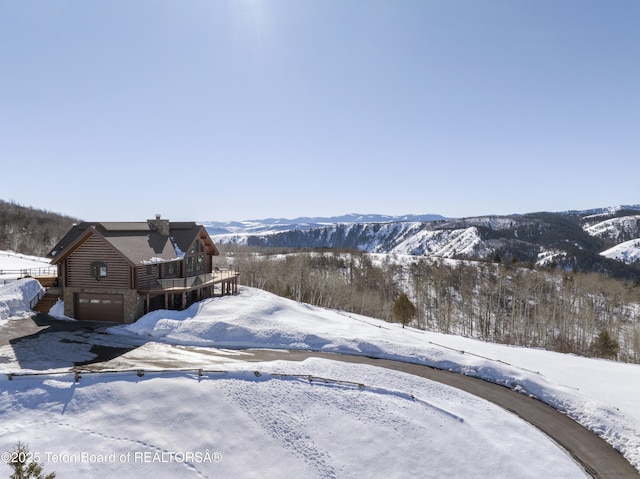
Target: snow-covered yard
{"type": "Point", "coordinates": [600, 394]}
{"type": "Point", "coordinates": [239, 424]}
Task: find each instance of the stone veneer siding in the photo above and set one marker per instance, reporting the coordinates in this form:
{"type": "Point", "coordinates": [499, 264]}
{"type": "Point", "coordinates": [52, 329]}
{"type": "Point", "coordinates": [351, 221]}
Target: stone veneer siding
{"type": "Point", "coordinates": [133, 303]}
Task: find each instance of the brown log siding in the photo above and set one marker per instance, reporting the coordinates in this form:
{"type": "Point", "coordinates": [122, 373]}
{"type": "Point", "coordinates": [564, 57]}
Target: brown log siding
{"type": "Point", "coordinates": [146, 276]}
{"type": "Point", "coordinates": [78, 266]}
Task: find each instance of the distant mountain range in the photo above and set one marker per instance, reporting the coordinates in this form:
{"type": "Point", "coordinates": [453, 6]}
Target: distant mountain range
{"type": "Point", "coordinates": [602, 240]}
{"type": "Point", "coordinates": [271, 225]}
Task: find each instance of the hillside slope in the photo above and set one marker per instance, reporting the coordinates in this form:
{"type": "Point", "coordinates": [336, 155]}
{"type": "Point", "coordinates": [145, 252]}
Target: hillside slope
{"type": "Point", "coordinates": [31, 231]}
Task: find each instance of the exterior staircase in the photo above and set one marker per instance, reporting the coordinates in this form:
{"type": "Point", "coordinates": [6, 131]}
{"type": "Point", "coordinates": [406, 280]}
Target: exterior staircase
{"type": "Point", "coordinates": [47, 301]}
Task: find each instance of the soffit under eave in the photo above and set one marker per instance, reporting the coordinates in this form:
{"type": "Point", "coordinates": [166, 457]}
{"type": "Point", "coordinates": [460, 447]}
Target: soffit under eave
{"type": "Point", "coordinates": [204, 235]}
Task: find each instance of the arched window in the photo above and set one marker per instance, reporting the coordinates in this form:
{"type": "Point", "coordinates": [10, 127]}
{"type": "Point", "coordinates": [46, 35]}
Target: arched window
{"type": "Point", "coordinates": [98, 269]}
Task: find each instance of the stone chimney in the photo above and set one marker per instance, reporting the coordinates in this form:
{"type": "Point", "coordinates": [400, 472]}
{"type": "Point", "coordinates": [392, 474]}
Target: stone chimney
{"type": "Point", "coordinates": [160, 225]}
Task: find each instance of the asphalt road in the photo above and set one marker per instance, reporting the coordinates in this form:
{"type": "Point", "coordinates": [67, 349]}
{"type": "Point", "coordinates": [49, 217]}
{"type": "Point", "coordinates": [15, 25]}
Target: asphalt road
{"type": "Point", "coordinates": [596, 456]}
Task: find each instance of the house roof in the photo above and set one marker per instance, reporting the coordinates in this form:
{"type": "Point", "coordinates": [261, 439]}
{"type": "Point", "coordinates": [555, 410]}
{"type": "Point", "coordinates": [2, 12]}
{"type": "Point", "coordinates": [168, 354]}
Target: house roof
{"type": "Point", "coordinates": [138, 242]}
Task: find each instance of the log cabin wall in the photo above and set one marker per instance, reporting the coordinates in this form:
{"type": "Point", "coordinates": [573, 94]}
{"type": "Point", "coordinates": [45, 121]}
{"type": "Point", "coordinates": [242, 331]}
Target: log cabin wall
{"type": "Point", "coordinates": [78, 266]}
{"type": "Point", "coordinates": [146, 276]}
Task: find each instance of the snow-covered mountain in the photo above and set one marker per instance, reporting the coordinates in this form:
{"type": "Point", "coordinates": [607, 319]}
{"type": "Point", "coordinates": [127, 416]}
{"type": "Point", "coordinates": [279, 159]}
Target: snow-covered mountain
{"type": "Point", "coordinates": [401, 238]}
{"type": "Point", "coordinates": [617, 229]}
{"type": "Point", "coordinates": [627, 252]}
{"type": "Point", "coordinates": [571, 239]}
{"type": "Point", "coordinates": [271, 225]}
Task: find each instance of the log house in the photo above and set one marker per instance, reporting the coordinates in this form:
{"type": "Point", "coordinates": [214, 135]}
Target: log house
{"type": "Point", "coordinates": [119, 271]}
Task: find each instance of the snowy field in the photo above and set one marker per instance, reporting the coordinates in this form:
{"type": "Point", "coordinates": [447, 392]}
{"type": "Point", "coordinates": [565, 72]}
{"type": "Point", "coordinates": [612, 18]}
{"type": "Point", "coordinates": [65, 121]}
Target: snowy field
{"type": "Point", "coordinates": [239, 424]}
{"type": "Point", "coordinates": [11, 264]}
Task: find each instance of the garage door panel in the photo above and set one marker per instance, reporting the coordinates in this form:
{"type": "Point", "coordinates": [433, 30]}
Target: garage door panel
{"type": "Point", "coordinates": [99, 307]}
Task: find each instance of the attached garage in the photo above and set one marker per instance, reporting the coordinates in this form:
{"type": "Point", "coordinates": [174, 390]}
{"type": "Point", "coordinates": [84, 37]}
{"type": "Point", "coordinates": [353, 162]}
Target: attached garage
{"type": "Point", "coordinates": [99, 307]}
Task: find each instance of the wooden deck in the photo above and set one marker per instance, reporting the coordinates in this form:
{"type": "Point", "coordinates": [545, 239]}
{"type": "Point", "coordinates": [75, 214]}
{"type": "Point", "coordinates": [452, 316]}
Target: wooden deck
{"type": "Point", "coordinates": [175, 285]}
{"type": "Point", "coordinates": [179, 293]}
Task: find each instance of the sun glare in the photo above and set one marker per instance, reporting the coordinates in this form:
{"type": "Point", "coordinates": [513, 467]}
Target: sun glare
{"type": "Point", "coordinates": [249, 22]}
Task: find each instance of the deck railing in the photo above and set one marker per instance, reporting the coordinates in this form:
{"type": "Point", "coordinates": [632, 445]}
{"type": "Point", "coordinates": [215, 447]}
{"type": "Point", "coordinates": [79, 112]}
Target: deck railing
{"type": "Point", "coordinates": [36, 298]}
{"type": "Point", "coordinates": [11, 275]}
{"type": "Point", "coordinates": [26, 272]}
{"type": "Point", "coordinates": [189, 282]}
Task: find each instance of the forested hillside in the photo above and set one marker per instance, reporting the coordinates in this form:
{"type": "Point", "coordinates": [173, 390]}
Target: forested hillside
{"type": "Point", "coordinates": [572, 241]}
{"type": "Point", "coordinates": [31, 231]}
{"type": "Point", "coordinates": [513, 303]}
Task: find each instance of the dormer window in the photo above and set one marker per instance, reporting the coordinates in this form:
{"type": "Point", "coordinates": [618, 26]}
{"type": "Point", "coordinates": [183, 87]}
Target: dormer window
{"type": "Point", "coordinates": [98, 269]}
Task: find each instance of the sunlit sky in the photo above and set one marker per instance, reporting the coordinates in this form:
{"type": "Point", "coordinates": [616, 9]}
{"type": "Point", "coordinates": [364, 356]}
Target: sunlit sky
{"type": "Point", "coordinates": [232, 110]}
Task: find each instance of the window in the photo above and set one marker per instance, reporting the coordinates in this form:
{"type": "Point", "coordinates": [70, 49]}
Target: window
{"type": "Point", "coordinates": [197, 247]}
{"type": "Point", "coordinates": [200, 263]}
{"type": "Point", "coordinates": [170, 269]}
{"type": "Point", "coordinates": [190, 264]}
{"type": "Point", "coordinates": [98, 269]}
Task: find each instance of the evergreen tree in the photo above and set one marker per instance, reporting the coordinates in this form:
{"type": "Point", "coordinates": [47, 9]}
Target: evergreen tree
{"type": "Point", "coordinates": [403, 309]}
{"type": "Point", "coordinates": [604, 346]}
{"type": "Point", "coordinates": [25, 466]}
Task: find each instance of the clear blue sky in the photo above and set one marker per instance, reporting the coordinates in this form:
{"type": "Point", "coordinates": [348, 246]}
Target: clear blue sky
{"type": "Point", "coordinates": [220, 110]}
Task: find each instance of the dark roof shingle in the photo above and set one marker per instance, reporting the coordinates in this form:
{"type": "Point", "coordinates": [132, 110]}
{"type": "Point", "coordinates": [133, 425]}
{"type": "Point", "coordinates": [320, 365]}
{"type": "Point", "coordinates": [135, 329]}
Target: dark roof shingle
{"type": "Point", "coordinates": [139, 242]}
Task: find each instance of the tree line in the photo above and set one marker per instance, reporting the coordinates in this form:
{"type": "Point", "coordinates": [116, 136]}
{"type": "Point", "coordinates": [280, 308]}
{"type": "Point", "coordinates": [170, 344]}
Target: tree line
{"type": "Point", "coordinates": [31, 231]}
{"type": "Point", "coordinates": [583, 313]}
